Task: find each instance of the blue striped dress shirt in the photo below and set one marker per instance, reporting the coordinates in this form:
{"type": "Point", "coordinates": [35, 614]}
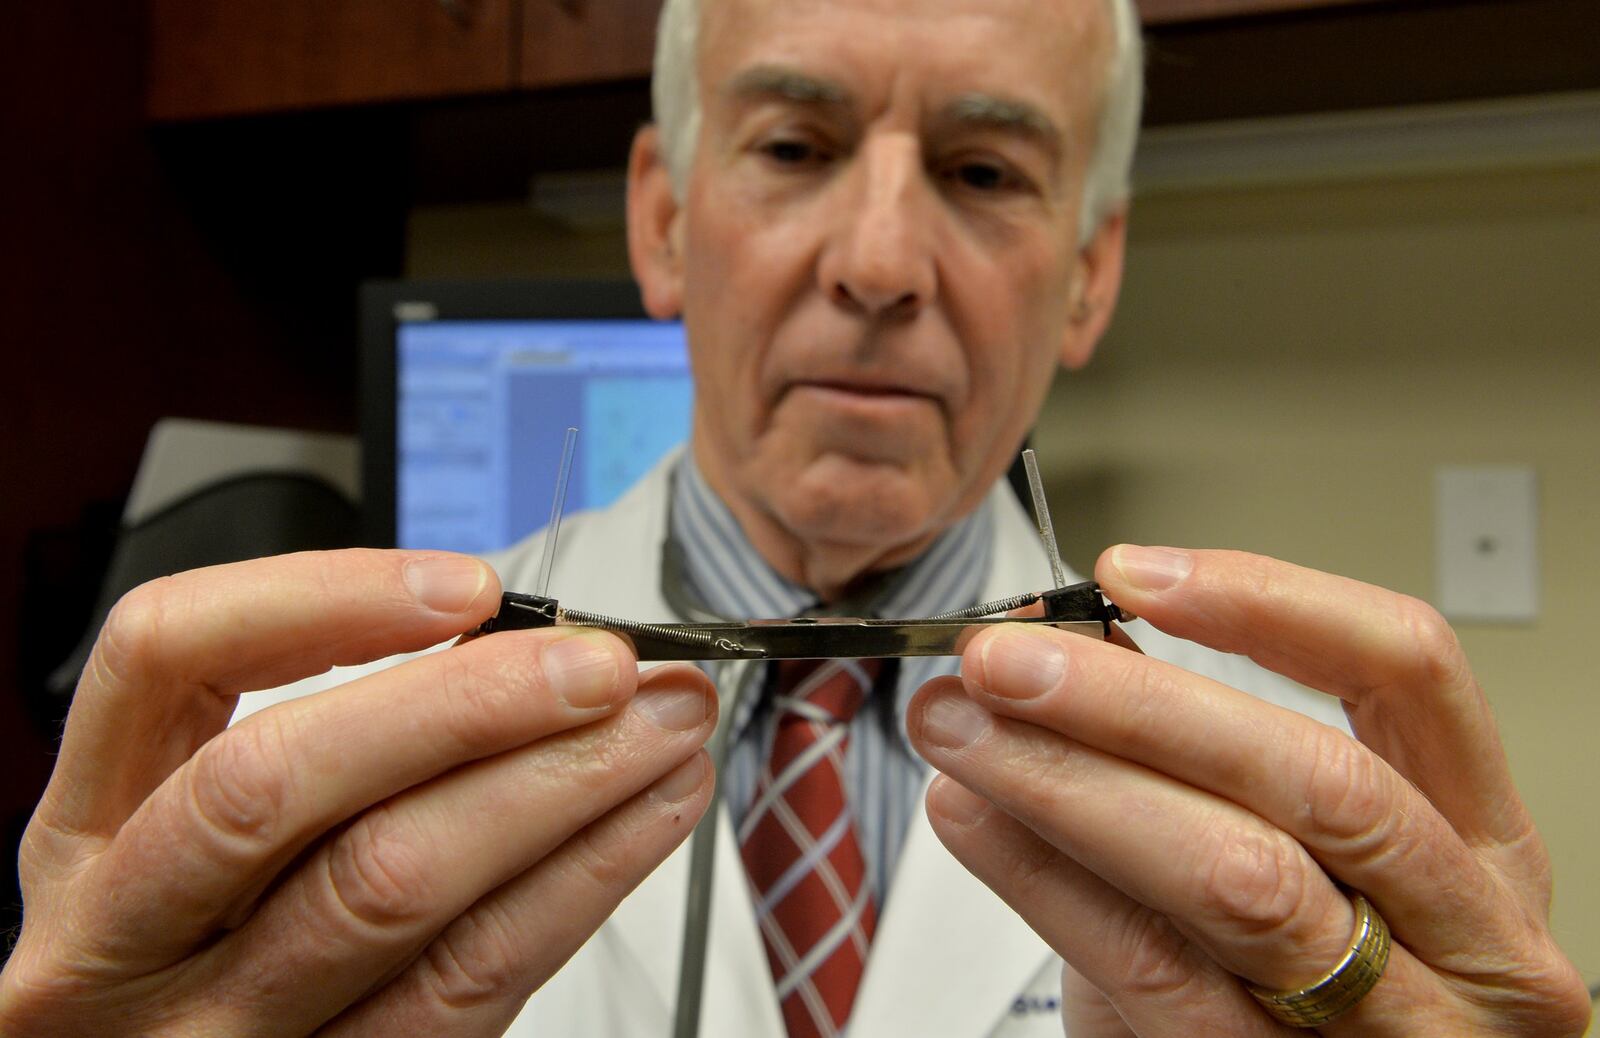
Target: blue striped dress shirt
{"type": "Point", "coordinates": [724, 576]}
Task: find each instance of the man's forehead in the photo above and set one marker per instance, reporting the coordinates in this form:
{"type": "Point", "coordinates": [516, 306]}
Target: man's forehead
{"type": "Point", "coordinates": [1005, 8]}
{"type": "Point", "coordinates": [971, 110]}
{"type": "Point", "coordinates": [985, 36]}
{"type": "Point", "coordinates": [1029, 67]}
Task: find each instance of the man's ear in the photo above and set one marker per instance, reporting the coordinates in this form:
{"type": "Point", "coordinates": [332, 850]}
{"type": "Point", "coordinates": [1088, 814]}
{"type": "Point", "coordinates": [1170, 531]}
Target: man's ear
{"type": "Point", "coordinates": [1096, 280]}
{"type": "Point", "coordinates": [655, 238]}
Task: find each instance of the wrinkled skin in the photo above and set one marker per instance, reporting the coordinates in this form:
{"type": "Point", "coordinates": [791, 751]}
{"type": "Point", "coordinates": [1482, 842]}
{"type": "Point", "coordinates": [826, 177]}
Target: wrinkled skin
{"type": "Point", "coordinates": [1169, 835]}
{"type": "Point", "coordinates": [878, 286]}
{"type": "Point", "coordinates": [410, 853]}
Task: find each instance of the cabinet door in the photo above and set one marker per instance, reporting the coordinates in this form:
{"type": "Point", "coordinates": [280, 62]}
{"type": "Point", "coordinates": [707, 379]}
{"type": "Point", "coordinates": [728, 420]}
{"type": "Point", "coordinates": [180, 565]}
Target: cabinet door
{"type": "Point", "coordinates": [1155, 12]}
{"type": "Point", "coordinates": [584, 41]}
{"type": "Point", "coordinates": [224, 57]}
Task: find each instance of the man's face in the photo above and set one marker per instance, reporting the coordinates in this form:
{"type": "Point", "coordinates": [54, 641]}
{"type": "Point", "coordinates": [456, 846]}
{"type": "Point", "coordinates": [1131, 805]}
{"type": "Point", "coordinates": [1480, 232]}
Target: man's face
{"type": "Point", "coordinates": [879, 262]}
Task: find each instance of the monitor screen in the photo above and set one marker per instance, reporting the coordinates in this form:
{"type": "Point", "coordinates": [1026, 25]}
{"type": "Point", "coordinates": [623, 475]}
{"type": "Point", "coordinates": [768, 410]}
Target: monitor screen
{"type": "Point", "coordinates": [480, 396]}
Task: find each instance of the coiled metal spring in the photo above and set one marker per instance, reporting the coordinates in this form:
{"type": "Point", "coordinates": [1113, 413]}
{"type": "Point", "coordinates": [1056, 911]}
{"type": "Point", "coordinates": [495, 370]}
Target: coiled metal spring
{"type": "Point", "coordinates": [676, 635]}
{"type": "Point", "coordinates": [1004, 605]}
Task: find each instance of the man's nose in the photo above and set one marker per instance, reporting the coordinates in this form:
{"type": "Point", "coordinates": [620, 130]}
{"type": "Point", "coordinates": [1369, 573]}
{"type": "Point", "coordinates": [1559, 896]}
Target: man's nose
{"type": "Point", "coordinates": [878, 261]}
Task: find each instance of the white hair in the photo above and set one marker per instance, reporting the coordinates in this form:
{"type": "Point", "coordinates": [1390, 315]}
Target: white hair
{"type": "Point", "coordinates": [674, 91]}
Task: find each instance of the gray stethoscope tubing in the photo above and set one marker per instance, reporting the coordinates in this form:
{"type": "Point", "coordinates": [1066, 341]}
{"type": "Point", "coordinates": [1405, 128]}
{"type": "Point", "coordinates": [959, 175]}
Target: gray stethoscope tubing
{"type": "Point", "coordinates": [702, 863]}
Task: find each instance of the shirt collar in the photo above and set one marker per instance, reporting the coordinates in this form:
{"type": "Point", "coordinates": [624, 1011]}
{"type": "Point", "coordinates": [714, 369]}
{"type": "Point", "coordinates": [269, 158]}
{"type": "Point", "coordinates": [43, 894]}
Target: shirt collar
{"type": "Point", "coordinates": [719, 573]}
{"type": "Point", "coordinates": [729, 578]}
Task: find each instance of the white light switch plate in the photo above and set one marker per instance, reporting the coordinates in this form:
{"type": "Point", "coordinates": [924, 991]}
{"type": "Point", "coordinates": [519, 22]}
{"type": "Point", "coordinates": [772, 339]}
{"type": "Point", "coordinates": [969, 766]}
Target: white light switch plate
{"type": "Point", "coordinates": [1486, 527]}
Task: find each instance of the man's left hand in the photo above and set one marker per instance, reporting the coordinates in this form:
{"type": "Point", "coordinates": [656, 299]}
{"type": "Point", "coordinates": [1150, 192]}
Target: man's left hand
{"type": "Point", "coordinates": [1171, 837]}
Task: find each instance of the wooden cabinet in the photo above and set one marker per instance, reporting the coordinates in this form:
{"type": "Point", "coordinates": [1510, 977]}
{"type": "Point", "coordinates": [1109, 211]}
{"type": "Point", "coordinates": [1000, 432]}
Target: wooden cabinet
{"type": "Point", "coordinates": [1161, 12]}
{"type": "Point", "coordinates": [586, 41]}
{"type": "Point", "coordinates": [212, 58]}
{"type": "Point", "coordinates": [229, 57]}
{"type": "Point", "coordinates": [1208, 59]}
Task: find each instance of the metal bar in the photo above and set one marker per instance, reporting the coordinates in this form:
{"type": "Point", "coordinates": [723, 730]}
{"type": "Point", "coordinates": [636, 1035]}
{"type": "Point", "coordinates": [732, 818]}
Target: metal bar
{"type": "Point", "coordinates": [820, 638]}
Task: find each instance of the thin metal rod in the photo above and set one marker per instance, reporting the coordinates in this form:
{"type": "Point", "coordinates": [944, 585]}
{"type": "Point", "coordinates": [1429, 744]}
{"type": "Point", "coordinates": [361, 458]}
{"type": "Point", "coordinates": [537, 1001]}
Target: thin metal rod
{"type": "Point", "coordinates": [548, 560]}
{"type": "Point", "coordinates": [1041, 512]}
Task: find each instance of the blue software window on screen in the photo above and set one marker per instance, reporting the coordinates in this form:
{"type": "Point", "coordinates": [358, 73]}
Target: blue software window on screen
{"type": "Point", "coordinates": [482, 407]}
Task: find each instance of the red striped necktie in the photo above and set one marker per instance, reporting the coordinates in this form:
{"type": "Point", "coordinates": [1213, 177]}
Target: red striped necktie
{"type": "Point", "coordinates": [800, 848]}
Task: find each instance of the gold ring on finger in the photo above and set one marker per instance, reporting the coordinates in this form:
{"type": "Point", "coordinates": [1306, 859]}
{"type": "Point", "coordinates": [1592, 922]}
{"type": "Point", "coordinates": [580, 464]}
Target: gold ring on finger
{"type": "Point", "coordinates": [1337, 991]}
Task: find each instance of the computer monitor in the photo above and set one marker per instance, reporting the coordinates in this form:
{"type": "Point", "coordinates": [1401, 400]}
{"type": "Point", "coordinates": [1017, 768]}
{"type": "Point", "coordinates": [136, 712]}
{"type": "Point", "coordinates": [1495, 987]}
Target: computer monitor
{"type": "Point", "coordinates": [468, 388]}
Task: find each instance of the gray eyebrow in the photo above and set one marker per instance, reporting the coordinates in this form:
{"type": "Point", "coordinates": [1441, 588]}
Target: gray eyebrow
{"type": "Point", "coordinates": [785, 83]}
{"type": "Point", "coordinates": [1005, 114]}
{"type": "Point", "coordinates": [970, 111]}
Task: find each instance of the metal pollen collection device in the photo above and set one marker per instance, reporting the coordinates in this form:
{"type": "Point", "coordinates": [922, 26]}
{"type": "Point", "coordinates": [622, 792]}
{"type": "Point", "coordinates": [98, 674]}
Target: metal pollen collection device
{"type": "Point", "coordinates": [1076, 607]}
{"type": "Point", "coordinates": [1080, 608]}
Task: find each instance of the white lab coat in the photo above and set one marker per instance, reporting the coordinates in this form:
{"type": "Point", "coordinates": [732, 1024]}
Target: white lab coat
{"type": "Point", "coordinates": [949, 957]}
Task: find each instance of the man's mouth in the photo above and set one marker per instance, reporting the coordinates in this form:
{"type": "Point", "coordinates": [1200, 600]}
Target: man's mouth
{"type": "Point", "coordinates": [869, 390]}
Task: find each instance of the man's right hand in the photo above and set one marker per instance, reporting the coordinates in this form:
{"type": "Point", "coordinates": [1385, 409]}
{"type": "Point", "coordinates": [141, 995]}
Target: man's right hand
{"type": "Point", "coordinates": [410, 853]}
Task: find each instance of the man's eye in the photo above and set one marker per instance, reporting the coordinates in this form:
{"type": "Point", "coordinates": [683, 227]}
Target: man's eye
{"type": "Point", "coordinates": [789, 152]}
{"type": "Point", "coordinates": [982, 176]}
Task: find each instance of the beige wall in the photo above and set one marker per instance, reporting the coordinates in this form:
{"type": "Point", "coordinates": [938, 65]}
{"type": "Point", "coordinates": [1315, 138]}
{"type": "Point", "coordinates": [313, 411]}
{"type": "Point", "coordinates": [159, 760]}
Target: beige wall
{"type": "Point", "coordinates": [1287, 368]}
{"type": "Point", "coordinates": [486, 240]}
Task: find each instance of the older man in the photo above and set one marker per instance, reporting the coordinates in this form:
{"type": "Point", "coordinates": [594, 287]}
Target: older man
{"type": "Point", "coordinates": [884, 224]}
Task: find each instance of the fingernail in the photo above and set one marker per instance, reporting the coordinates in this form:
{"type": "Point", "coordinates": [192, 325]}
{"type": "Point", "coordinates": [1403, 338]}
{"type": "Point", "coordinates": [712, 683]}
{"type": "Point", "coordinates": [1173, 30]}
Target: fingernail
{"type": "Point", "coordinates": [446, 583]}
{"type": "Point", "coordinates": [1151, 569]}
{"type": "Point", "coordinates": [676, 710]}
{"type": "Point", "coordinates": [961, 805]}
{"type": "Point", "coordinates": [681, 782]}
{"type": "Point", "coordinates": [581, 669]}
{"type": "Point", "coordinates": [1021, 663]}
{"type": "Point", "coordinates": [953, 721]}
